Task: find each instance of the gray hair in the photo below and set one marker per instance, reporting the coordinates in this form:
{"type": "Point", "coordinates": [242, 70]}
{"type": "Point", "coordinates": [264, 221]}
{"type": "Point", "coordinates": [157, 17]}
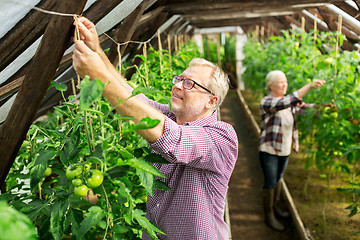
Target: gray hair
{"type": "Point", "coordinates": [271, 77]}
{"type": "Point", "coordinates": [219, 80]}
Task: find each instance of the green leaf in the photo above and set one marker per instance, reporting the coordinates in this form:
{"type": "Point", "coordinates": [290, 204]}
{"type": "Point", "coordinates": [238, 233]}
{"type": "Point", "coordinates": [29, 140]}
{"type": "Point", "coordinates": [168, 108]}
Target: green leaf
{"type": "Point", "coordinates": [90, 91]}
{"type": "Point", "coordinates": [36, 175]}
{"type": "Point", "coordinates": [145, 123]}
{"type": "Point", "coordinates": [125, 153]}
{"type": "Point", "coordinates": [151, 229]}
{"type": "Point", "coordinates": [62, 111]}
{"type": "Point", "coordinates": [156, 158]}
{"type": "Point", "coordinates": [143, 90]}
{"type": "Point", "coordinates": [55, 221]}
{"type": "Point", "coordinates": [94, 215]}
{"type": "Point", "coordinates": [45, 156]}
{"type": "Point", "coordinates": [158, 184]}
{"type": "Point", "coordinates": [59, 86]}
{"type": "Point", "coordinates": [71, 148]}
{"type": "Point", "coordinates": [147, 180]}
{"type": "Point", "coordinates": [143, 165]}
{"type": "Point", "coordinates": [119, 229]}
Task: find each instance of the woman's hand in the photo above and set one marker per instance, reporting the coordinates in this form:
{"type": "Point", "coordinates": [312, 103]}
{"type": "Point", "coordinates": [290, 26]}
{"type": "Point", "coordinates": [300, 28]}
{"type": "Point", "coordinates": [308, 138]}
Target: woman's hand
{"type": "Point", "coordinates": [88, 34]}
{"type": "Point", "coordinates": [88, 62]}
{"type": "Point", "coordinates": [317, 83]}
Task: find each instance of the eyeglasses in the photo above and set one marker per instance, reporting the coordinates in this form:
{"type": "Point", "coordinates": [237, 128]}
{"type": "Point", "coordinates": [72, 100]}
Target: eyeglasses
{"type": "Point", "coordinates": [188, 83]}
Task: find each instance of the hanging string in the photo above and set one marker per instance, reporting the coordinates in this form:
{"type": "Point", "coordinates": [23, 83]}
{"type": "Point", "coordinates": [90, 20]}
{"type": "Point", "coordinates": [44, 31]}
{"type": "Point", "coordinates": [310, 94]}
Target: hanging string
{"type": "Point", "coordinates": [119, 54]}
{"type": "Point", "coordinates": [77, 37]}
{"type": "Point", "coordinates": [145, 65]}
{"type": "Point", "coordinates": [160, 51]}
{"type": "Point", "coordinates": [339, 27]}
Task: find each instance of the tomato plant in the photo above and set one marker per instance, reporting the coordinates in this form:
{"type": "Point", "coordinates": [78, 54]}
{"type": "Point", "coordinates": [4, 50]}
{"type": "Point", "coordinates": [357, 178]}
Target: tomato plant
{"type": "Point", "coordinates": [88, 145]}
{"type": "Point", "coordinates": [328, 134]}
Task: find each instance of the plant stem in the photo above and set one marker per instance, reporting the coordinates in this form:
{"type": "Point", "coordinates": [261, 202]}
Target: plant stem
{"type": "Point", "coordinates": [108, 219]}
{"type": "Point", "coordinates": [87, 132]}
{"type": "Point", "coordinates": [39, 185]}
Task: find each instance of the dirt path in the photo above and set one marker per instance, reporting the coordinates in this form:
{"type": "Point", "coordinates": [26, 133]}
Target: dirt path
{"type": "Point", "coordinates": [244, 196]}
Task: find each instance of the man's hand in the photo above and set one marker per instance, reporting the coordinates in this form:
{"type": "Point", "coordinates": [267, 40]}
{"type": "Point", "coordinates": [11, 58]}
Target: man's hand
{"type": "Point", "coordinates": [88, 62]}
{"type": "Point", "coordinates": [88, 34]}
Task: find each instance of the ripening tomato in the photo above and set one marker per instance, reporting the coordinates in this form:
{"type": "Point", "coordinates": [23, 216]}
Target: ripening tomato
{"type": "Point", "coordinates": [95, 179]}
{"type": "Point", "coordinates": [81, 190]}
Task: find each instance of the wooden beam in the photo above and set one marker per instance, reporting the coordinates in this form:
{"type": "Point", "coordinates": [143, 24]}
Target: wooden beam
{"type": "Point", "coordinates": [25, 32]}
{"type": "Point", "coordinates": [36, 83]}
{"type": "Point", "coordinates": [348, 9]}
{"type": "Point", "coordinates": [236, 15]}
{"type": "Point", "coordinates": [228, 22]}
{"type": "Point", "coordinates": [181, 7]}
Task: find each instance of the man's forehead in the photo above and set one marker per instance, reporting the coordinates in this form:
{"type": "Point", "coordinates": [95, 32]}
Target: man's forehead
{"type": "Point", "coordinates": [197, 70]}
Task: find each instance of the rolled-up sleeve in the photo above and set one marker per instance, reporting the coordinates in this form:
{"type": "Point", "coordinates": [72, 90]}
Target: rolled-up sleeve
{"type": "Point", "coordinates": [271, 104]}
{"type": "Point", "coordinates": [212, 147]}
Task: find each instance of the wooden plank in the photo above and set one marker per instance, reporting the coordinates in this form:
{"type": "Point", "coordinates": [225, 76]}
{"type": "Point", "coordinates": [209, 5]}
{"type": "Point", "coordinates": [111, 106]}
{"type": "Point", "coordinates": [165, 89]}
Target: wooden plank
{"type": "Point", "coordinates": [36, 83]}
{"type": "Point", "coordinates": [10, 88]}
{"type": "Point", "coordinates": [24, 33]}
{"type": "Point", "coordinates": [95, 12]}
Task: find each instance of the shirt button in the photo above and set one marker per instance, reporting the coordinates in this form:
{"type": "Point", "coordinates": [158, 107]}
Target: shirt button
{"type": "Point", "coordinates": [157, 205]}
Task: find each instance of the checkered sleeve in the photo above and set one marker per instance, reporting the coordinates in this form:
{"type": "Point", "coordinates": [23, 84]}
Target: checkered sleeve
{"type": "Point", "coordinates": [270, 104]}
{"type": "Point", "coordinates": [211, 147]}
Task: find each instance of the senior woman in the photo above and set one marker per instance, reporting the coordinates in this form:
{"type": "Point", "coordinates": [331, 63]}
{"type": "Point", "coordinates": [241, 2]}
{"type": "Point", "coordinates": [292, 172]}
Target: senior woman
{"type": "Point", "coordinates": [278, 134]}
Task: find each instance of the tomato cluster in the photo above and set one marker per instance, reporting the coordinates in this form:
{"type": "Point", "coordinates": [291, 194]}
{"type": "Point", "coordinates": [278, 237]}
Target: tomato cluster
{"type": "Point", "coordinates": [331, 112]}
{"type": "Point", "coordinates": [82, 177]}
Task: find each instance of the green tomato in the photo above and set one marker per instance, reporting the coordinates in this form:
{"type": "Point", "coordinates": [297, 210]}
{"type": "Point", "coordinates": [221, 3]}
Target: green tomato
{"type": "Point", "coordinates": [81, 190]}
{"type": "Point", "coordinates": [47, 172]}
{"type": "Point", "coordinates": [73, 173]}
{"type": "Point", "coordinates": [76, 182]}
{"type": "Point", "coordinates": [328, 61]}
{"type": "Point", "coordinates": [96, 179]}
{"type": "Point", "coordinates": [334, 115]}
{"type": "Point", "coordinates": [327, 109]}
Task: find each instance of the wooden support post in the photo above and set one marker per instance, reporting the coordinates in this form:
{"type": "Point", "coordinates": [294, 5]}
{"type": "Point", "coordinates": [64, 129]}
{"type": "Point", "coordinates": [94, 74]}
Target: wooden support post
{"type": "Point", "coordinates": [36, 82]}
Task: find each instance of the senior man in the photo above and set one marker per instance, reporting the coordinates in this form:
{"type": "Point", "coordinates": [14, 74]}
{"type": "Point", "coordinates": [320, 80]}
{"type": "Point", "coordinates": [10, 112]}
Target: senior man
{"type": "Point", "coordinates": [201, 150]}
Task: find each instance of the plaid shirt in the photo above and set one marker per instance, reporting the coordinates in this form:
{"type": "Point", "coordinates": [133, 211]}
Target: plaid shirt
{"type": "Point", "coordinates": [202, 155]}
{"type": "Point", "coordinates": [271, 121]}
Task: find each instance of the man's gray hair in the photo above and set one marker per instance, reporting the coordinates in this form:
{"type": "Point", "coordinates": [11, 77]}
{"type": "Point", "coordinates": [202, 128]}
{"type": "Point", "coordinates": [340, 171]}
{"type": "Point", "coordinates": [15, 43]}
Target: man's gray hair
{"type": "Point", "coordinates": [271, 77]}
{"type": "Point", "coordinates": [219, 80]}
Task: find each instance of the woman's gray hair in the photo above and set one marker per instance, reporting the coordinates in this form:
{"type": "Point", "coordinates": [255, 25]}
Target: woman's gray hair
{"type": "Point", "coordinates": [271, 77]}
{"type": "Point", "coordinates": [219, 80]}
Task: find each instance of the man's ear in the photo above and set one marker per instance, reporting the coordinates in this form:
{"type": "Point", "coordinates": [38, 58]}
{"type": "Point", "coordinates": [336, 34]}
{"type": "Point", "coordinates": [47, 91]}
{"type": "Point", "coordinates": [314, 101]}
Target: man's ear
{"type": "Point", "coordinates": [212, 101]}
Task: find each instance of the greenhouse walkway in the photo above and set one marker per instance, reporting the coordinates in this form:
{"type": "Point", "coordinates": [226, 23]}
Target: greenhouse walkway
{"type": "Point", "coordinates": [244, 195]}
